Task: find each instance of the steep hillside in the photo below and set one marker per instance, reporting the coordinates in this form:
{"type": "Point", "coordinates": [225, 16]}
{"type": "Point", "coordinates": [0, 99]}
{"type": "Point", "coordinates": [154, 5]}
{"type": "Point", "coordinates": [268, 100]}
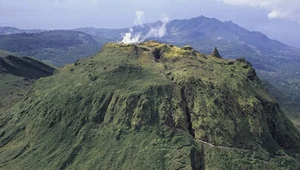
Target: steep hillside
{"type": "Point", "coordinates": [149, 106]}
{"type": "Point", "coordinates": [290, 107]}
{"type": "Point", "coordinates": [16, 76]}
{"type": "Point", "coordinates": [57, 47]}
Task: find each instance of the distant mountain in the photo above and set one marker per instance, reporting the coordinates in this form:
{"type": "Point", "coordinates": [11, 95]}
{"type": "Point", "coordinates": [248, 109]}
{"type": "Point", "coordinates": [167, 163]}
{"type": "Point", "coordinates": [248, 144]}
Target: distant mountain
{"type": "Point", "coordinates": [13, 30]}
{"type": "Point", "coordinates": [223, 33]}
{"type": "Point", "coordinates": [149, 106]}
{"type": "Point", "coordinates": [16, 76]}
{"type": "Point", "coordinates": [104, 35]}
{"type": "Point", "coordinates": [58, 47]}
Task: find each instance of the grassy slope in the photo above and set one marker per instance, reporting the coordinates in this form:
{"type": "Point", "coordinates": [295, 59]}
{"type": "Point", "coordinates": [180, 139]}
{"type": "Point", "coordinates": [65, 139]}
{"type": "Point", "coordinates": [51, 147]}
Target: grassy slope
{"type": "Point", "coordinates": [151, 106]}
{"type": "Point", "coordinates": [16, 76]}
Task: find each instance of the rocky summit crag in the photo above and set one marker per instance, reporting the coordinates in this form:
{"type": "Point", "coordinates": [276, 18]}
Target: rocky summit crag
{"type": "Point", "coordinates": [149, 106]}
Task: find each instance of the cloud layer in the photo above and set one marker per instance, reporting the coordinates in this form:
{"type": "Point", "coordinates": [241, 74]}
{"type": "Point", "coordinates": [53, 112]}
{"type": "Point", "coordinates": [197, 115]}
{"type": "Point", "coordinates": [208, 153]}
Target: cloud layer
{"type": "Point", "coordinates": [278, 9]}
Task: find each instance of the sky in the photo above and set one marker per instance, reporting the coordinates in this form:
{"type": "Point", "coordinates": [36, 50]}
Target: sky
{"type": "Point", "coordinates": [279, 19]}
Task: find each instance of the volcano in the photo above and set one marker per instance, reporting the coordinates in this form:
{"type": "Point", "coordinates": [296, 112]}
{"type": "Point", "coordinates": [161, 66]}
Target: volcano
{"type": "Point", "coordinates": [149, 106]}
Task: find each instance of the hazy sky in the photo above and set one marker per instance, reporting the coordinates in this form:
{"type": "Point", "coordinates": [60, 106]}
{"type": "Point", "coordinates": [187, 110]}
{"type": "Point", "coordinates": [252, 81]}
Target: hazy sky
{"type": "Point", "coordinates": [279, 19]}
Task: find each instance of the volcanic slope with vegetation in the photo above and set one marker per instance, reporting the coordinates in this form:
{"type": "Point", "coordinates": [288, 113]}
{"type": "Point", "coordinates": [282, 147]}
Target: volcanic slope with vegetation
{"type": "Point", "coordinates": [16, 76]}
{"type": "Point", "coordinates": [57, 47]}
{"type": "Point", "coordinates": [275, 62]}
{"type": "Point", "coordinates": [149, 106]}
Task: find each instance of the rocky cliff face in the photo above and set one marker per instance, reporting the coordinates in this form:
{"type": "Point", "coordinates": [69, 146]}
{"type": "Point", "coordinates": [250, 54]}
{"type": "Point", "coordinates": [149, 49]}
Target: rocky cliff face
{"type": "Point", "coordinates": [149, 106]}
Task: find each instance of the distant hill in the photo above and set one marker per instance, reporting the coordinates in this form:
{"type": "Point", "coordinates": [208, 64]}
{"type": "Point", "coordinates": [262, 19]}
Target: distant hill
{"type": "Point", "coordinates": [104, 35]}
{"type": "Point", "coordinates": [56, 47]}
{"type": "Point", "coordinates": [16, 76]}
{"type": "Point", "coordinates": [13, 30]}
{"type": "Point", "coordinates": [149, 106]}
{"type": "Point", "coordinates": [226, 35]}
{"type": "Point", "coordinates": [4, 53]}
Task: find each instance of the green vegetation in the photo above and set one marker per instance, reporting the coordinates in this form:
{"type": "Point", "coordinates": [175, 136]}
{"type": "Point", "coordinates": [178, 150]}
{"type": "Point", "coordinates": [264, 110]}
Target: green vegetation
{"type": "Point", "coordinates": [56, 47]}
{"type": "Point", "coordinates": [149, 106]}
{"type": "Point", "coordinates": [289, 106]}
{"type": "Point", "coordinates": [16, 76]}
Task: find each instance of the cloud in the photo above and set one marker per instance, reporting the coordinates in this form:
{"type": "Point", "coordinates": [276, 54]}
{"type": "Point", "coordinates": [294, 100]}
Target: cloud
{"type": "Point", "coordinates": [278, 9]}
{"type": "Point", "coordinates": [130, 37]}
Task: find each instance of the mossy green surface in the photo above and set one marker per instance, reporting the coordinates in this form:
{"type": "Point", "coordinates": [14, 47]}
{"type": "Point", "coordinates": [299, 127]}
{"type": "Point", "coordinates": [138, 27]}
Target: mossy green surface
{"type": "Point", "coordinates": [149, 106]}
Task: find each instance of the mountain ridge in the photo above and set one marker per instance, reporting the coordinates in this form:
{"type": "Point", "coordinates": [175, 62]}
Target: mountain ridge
{"type": "Point", "coordinates": [153, 106]}
{"type": "Point", "coordinates": [57, 47]}
{"type": "Point", "coordinates": [13, 30]}
{"type": "Point", "coordinates": [17, 74]}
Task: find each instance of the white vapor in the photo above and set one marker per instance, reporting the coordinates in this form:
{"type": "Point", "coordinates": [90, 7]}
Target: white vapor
{"type": "Point", "coordinates": [139, 18]}
{"type": "Point", "coordinates": [156, 32]}
{"type": "Point", "coordinates": [130, 38]}
{"type": "Point", "coordinates": [279, 9]}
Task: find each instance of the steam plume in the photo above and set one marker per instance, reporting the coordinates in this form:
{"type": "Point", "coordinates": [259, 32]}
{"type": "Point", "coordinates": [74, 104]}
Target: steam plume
{"type": "Point", "coordinates": [155, 32]}
{"type": "Point", "coordinates": [129, 38]}
{"type": "Point", "coordinates": [139, 18]}
{"type": "Point", "coordinates": [158, 32]}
